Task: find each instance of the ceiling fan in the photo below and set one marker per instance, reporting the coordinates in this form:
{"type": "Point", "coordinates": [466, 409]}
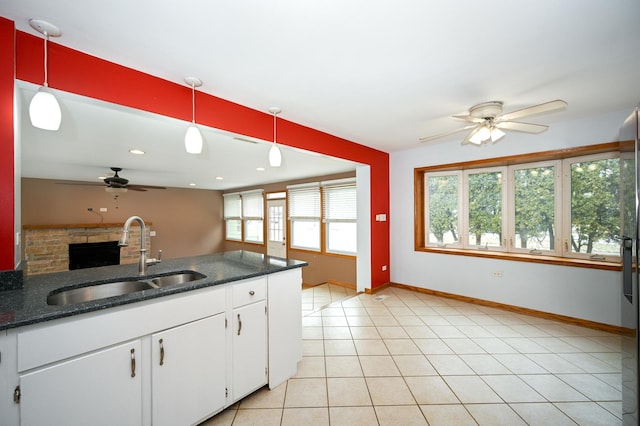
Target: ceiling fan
{"type": "Point", "coordinates": [489, 121]}
{"type": "Point", "coordinates": [116, 183]}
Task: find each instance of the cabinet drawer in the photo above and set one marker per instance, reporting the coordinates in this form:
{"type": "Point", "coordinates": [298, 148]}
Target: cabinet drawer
{"type": "Point", "coordinates": [249, 292]}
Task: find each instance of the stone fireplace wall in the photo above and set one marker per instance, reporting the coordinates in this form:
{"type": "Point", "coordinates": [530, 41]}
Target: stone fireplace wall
{"type": "Point", "coordinates": [47, 246]}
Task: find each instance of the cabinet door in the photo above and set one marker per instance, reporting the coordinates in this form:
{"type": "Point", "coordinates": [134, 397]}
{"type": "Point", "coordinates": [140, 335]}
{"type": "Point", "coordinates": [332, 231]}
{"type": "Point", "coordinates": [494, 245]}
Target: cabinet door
{"type": "Point", "coordinates": [285, 320]}
{"type": "Point", "coordinates": [249, 355]}
{"type": "Point", "coordinates": [101, 388]}
{"type": "Point", "coordinates": [188, 372]}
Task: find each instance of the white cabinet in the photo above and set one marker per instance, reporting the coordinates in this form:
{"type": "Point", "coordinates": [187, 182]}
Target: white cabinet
{"type": "Point", "coordinates": [176, 360]}
{"type": "Point", "coordinates": [188, 372]}
{"type": "Point", "coordinates": [101, 388]}
{"type": "Point", "coordinates": [249, 338]}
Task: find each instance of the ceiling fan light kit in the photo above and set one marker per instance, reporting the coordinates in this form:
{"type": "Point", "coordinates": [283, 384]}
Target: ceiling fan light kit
{"type": "Point", "coordinates": [193, 137]}
{"type": "Point", "coordinates": [44, 109]}
{"type": "Point", "coordinates": [275, 156]}
{"type": "Point", "coordinates": [489, 121]}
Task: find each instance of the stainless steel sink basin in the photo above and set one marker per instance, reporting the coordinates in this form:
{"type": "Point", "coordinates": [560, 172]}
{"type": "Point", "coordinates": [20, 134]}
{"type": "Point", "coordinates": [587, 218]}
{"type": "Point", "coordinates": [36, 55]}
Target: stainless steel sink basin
{"type": "Point", "coordinates": [179, 278]}
{"type": "Point", "coordinates": [95, 292]}
{"type": "Point", "coordinates": [119, 288]}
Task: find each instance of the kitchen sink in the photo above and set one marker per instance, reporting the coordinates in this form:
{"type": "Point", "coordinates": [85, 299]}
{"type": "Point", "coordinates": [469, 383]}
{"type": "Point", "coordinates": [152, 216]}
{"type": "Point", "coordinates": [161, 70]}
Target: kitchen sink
{"type": "Point", "coordinates": [118, 288]}
{"type": "Point", "coordinates": [179, 278]}
{"type": "Point", "coordinates": [95, 292]}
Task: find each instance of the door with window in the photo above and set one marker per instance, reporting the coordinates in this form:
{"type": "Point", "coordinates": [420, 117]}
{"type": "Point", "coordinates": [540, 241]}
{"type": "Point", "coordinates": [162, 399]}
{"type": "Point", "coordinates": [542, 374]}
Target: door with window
{"type": "Point", "coordinates": [276, 228]}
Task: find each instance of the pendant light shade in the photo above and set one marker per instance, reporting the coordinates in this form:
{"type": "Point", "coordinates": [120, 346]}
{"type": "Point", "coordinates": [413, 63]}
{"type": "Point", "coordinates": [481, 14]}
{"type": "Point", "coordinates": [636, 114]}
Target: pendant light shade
{"type": "Point", "coordinates": [275, 156]}
{"type": "Point", "coordinates": [193, 137]}
{"type": "Point", "coordinates": [193, 140]}
{"type": "Point", "coordinates": [44, 110]}
{"type": "Point", "coordinates": [486, 133]}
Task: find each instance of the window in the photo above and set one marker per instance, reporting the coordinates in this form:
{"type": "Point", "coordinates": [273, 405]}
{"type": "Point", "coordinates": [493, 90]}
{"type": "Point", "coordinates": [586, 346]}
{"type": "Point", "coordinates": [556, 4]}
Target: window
{"type": "Point", "coordinates": [304, 216]}
{"type": "Point", "coordinates": [571, 208]}
{"type": "Point", "coordinates": [339, 212]}
{"type": "Point", "coordinates": [593, 207]}
{"type": "Point", "coordinates": [253, 216]}
{"type": "Point", "coordinates": [244, 216]}
{"type": "Point", "coordinates": [443, 204]}
{"type": "Point", "coordinates": [276, 223]}
{"type": "Point", "coordinates": [233, 216]}
{"type": "Point", "coordinates": [323, 217]}
{"type": "Point", "coordinates": [536, 207]}
{"type": "Point", "coordinates": [484, 203]}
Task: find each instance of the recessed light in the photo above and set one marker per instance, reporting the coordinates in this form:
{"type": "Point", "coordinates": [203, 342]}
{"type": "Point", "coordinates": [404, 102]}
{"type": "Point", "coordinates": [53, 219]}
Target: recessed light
{"type": "Point", "coordinates": [260, 169]}
{"type": "Point", "coordinates": [136, 151]}
{"type": "Point", "coordinates": [219, 178]}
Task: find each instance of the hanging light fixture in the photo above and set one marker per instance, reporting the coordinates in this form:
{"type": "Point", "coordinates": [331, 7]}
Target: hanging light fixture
{"type": "Point", "coordinates": [193, 137]}
{"type": "Point", "coordinates": [275, 156]}
{"type": "Point", "coordinates": [485, 133]}
{"type": "Point", "coordinates": [44, 110]}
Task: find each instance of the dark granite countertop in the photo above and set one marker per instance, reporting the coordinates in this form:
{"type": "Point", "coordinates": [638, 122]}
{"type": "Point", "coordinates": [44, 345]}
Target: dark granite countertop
{"type": "Point", "coordinates": [29, 305]}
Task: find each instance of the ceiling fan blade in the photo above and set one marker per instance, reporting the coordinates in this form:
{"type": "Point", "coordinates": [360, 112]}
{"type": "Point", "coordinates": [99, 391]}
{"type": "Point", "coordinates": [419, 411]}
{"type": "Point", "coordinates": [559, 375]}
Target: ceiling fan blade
{"type": "Point", "coordinates": [144, 187]}
{"type": "Point", "coordinates": [546, 107]}
{"type": "Point", "coordinates": [522, 127]}
{"type": "Point", "coordinates": [442, 135]}
{"type": "Point", "coordinates": [80, 183]}
{"type": "Point", "coordinates": [469, 118]}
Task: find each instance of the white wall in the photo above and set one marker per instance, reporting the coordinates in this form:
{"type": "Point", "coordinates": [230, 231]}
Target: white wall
{"type": "Point", "coordinates": [584, 293]}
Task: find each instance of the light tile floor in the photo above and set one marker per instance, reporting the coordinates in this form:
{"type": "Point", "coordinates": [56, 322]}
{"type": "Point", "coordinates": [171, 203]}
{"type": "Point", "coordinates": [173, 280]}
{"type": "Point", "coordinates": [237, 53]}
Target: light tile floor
{"type": "Point", "coordinates": [317, 297]}
{"type": "Point", "coordinates": [405, 358]}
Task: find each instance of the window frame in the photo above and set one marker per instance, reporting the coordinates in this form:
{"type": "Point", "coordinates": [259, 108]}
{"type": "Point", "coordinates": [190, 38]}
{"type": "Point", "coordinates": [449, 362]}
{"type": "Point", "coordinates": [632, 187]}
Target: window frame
{"type": "Point", "coordinates": [427, 216]}
{"type": "Point", "coordinates": [616, 148]}
{"type": "Point", "coordinates": [558, 219]}
{"type": "Point", "coordinates": [336, 185]}
{"type": "Point", "coordinates": [567, 201]}
{"type": "Point", "coordinates": [248, 216]}
{"type": "Point", "coordinates": [230, 216]}
{"type": "Point", "coordinates": [466, 244]}
{"type": "Point", "coordinates": [293, 191]}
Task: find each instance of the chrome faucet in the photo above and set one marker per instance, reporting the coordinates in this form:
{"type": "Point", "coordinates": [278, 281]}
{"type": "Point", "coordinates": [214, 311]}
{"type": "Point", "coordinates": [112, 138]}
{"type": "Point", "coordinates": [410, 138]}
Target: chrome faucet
{"type": "Point", "coordinates": [124, 242]}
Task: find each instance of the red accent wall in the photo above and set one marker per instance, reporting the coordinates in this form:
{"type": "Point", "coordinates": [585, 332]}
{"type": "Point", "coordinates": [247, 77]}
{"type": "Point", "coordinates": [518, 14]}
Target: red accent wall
{"type": "Point", "coordinates": [7, 43]}
{"type": "Point", "coordinates": [86, 75]}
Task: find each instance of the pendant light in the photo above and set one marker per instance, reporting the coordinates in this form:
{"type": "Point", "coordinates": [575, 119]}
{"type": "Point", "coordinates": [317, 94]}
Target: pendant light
{"type": "Point", "coordinates": [275, 157]}
{"type": "Point", "coordinates": [44, 110]}
{"type": "Point", "coordinates": [193, 137]}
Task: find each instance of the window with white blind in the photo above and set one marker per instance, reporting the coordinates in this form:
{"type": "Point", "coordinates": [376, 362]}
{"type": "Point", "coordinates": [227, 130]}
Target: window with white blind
{"type": "Point", "coordinates": [339, 216]}
{"type": "Point", "coordinates": [253, 216]}
{"type": "Point", "coordinates": [233, 216]}
{"type": "Point", "coordinates": [304, 216]}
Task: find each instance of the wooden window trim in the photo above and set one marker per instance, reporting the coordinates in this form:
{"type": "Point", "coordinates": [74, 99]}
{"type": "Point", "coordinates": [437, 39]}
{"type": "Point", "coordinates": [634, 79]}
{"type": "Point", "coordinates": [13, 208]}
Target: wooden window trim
{"type": "Point", "coordinates": [560, 154]}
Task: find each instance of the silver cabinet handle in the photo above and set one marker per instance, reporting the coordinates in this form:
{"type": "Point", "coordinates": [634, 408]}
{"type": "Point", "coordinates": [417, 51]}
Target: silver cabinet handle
{"type": "Point", "coordinates": [251, 293]}
{"type": "Point", "coordinates": [239, 324]}
{"type": "Point", "coordinates": [133, 363]}
{"type": "Point", "coordinates": [161, 351]}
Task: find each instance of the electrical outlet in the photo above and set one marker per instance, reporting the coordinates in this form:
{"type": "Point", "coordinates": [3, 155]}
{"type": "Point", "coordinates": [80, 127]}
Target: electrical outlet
{"type": "Point", "coordinates": [496, 274]}
{"type": "Point", "coordinates": [103, 209]}
{"type": "Point", "coordinates": [384, 268]}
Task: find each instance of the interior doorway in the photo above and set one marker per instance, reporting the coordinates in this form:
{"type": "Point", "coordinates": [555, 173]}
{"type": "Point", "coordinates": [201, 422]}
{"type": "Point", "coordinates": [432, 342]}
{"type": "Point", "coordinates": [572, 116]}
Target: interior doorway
{"type": "Point", "coordinates": [276, 228]}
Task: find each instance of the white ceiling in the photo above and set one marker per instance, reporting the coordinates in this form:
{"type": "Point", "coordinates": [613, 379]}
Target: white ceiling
{"type": "Point", "coordinates": [382, 73]}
